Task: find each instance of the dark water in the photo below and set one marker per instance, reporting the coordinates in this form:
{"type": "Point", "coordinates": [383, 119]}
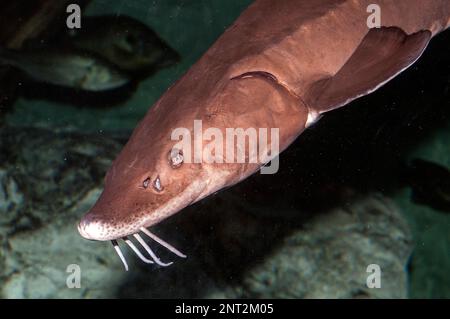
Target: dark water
{"type": "Point", "coordinates": [361, 149]}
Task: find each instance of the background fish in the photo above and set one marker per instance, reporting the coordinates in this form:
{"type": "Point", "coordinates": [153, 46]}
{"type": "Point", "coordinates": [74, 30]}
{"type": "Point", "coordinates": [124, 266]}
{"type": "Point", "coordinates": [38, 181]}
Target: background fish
{"type": "Point", "coordinates": [123, 41]}
{"type": "Point", "coordinates": [67, 68]}
{"type": "Point", "coordinates": [430, 183]}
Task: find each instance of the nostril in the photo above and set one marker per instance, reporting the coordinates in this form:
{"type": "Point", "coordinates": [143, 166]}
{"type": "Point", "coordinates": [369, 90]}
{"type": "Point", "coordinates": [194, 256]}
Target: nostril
{"type": "Point", "coordinates": [157, 185]}
{"type": "Point", "coordinates": [146, 182]}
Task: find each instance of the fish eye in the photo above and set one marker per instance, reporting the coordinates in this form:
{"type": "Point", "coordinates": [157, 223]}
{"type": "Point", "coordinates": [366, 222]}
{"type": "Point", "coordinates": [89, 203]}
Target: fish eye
{"type": "Point", "coordinates": [157, 185]}
{"type": "Point", "coordinates": [134, 42]}
{"type": "Point", "coordinates": [130, 39]}
{"type": "Point", "coordinates": [176, 158]}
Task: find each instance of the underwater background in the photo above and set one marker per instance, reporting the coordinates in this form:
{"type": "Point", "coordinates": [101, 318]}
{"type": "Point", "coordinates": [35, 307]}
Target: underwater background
{"type": "Point", "coordinates": [341, 183]}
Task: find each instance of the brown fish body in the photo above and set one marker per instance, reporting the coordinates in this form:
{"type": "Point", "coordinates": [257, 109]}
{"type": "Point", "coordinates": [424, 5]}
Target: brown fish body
{"type": "Point", "coordinates": [280, 65]}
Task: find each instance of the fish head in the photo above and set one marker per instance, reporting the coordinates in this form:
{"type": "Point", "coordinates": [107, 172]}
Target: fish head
{"type": "Point", "coordinates": [148, 182]}
{"type": "Point", "coordinates": [161, 171]}
{"type": "Point", "coordinates": [141, 48]}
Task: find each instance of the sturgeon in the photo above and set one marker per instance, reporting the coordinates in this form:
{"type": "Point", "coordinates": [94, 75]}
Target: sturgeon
{"type": "Point", "coordinates": [282, 64]}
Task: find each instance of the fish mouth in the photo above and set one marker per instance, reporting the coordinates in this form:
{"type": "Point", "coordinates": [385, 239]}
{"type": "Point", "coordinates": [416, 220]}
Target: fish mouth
{"type": "Point", "coordinates": [92, 228]}
{"type": "Point", "coordinates": [103, 231]}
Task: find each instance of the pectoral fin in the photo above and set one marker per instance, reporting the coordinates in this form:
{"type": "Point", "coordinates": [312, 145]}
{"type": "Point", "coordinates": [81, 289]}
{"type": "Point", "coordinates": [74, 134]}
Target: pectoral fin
{"type": "Point", "coordinates": [383, 54]}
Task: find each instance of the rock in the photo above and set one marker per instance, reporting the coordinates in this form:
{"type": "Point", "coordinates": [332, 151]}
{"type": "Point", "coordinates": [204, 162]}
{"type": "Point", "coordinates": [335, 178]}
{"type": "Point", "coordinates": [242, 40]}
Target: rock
{"type": "Point", "coordinates": [11, 199]}
{"type": "Point", "coordinates": [49, 180]}
{"type": "Point", "coordinates": [329, 256]}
